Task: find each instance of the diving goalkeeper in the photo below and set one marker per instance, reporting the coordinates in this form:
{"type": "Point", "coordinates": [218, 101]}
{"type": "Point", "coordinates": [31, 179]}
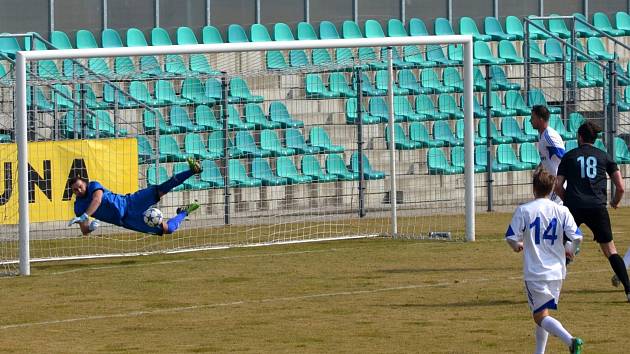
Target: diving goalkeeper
{"type": "Point", "coordinates": [94, 200]}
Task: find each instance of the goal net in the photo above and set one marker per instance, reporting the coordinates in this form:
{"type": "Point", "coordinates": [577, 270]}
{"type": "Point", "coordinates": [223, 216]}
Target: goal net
{"type": "Point", "coordinates": [293, 137]}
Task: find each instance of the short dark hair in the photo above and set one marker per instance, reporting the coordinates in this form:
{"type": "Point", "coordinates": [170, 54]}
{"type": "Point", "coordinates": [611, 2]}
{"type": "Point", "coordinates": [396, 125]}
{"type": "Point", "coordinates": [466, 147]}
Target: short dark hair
{"type": "Point", "coordinates": [76, 178]}
{"type": "Point", "coordinates": [543, 182]}
{"type": "Point", "coordinates": [588, 131]}
{"type": "Point", "coordinates": [541, 111]}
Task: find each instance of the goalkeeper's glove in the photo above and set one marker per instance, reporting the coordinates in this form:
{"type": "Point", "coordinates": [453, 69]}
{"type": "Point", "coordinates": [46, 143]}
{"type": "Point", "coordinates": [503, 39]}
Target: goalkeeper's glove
{"type": "Point", "coordinates": [78, 219]}
{"type": "Point", "coordinates": [94, 225]}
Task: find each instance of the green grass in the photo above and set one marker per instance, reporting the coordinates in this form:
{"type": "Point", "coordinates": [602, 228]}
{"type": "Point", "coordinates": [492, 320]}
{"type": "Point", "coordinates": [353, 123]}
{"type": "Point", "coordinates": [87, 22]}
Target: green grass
{"type": "Point", "coordinates": [363, 296]}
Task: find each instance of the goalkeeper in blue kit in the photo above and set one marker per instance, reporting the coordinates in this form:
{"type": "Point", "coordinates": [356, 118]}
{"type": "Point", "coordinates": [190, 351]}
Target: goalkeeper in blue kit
{"type": "Point", "coordinates": [94, 200]}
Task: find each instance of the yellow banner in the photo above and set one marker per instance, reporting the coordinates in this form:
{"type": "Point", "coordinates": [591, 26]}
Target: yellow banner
{"type": "Point", "coordinates": [112, 162]}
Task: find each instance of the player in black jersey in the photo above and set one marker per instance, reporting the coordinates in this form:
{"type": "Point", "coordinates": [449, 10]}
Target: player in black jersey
{"type": "Point", "coordinates": [585, 169]}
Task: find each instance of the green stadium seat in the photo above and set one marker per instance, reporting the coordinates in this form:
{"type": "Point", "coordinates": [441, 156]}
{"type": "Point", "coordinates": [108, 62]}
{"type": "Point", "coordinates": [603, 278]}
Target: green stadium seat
{"type": "Point", "coordinates": [235, 122]}
{"type": "Point", "coordinates": [262, 170]}
{"type": "Point", "coordinates": [600, 145]}
{"type": "Point", "coordinates": [442, 131]}
{"type": "Point", "coordinates": [398, 62]}
{"type": "Point", "coordinates": [316, 88]}
{"type": "Point", "coordinates": [484, 54]}
{"type": "Point", "coordinates": [395, 28]}
{"type": "Point", "coordinates": [570, 145]}
{"type": "Point", "coordinates": [418, 133]}
{"type": "Point", "coordinates": [580, 50]}
{"type": "Point", "coordinates": [282, 32]}
{"type": "Point", "coordinates": [236, 34]}
{"type": "Point", "coordinates": [367, 55]}
{"type": "Point", "coordinates": [193, 182]}
{"type": "Point", "coordinates": [42, 100]}
{"type": "Point", "coordinates": [556, 123]}
{"type": "Point", "coordinates": [61, 101]}
{"type": "Point", "coordinates": [149, 123]}
{"type": "Point", "coordinates": [511, 128]}
{"type": "Point", "coordinates": [596, 49]}
{"type": "Point", "coordinates": [382, 83]}
{"type": "Point", "coordinates": [373, 29]}
{"type": "Point", "coordinates": [179, 118]}
{"type": "Point", "coordinates": [439, 165]}
{"type": "Point", "coordinates": [136, 38]}
{"type": "Point", "coordinates": [417, 27]}
{"type": "Point", "coordinates": [239, 90]}
{"type": "Point", "coordinates": [312, 168]}
{"type": "Point", "coordinates": [536, 96]}
{"type": "Point", "coordinates": [479, 81]}
{"type": "Point", "coordinates": [622, 22]}
{"type": "Point", "coordinates": [352, 113]}
{"type": "Point", "coordinates": [278, 113]}
{"type": "Point", "coordinates": [239, 177]}
{"type": "Point", "coordinates": [328, 30]}
{"type": "Point", "coordinates": [514, 100]}
{"type": "Point", "coordinates": [506, 155]}
{"type": "Point", "coordinates": [286, 168]}
{"type": "Point", "coordinates": [150, 66]}
{"type": "Point", "coordinates": [165, 91]}
{"type": "Point", "coordinates": [456, 53]}
{"type": "Point", "coordinates": [338, 84]}
{"type": "Point", "coordinates": [481, 159]}
{"type": "Point", "coordinates": [553, 50]}
{"type": "Point", "coordinates": [622, 106]}
{"type": "Point", "coordinates": [255, 115]}
{"type": "Point", "coordinates": [344, 56]}
{"type": "Point", "coordinates": [458, 159]}
{"type": "Point", "coordinates": [159, 36]}
{"type": "Point", "coordinates": [529, 154]}
{"type": "Point", "coordinates": [85, 40]}
{"type": "Point", "coordinates": [493, 28]}
{"type": "Point", "coordinates": [321, 56]}
{"type": "Point", "coordinates": [529, 129]}
{"type": "Point", "coordinates": [429, 79]}
{"type": "Point", "coordinates": [204, 116]}
{"type": "Point", "coordinates": [336, 166]}
{"type": "Point", "coordinates": [594, 73]}
{"type": "Point", "coordinates": [403, 109]}
{"type": "Point", "coordinates": [508, 52]}
{"type": "Point", "coordinates": [425, 107]}
{"type": "Point", "coordinates": [275, 60]}
{"type": "Point", "coordinates": [468, 26]}
{"type": "Point", "coordinates": [380, 109]}
{"type": "Point", "coordinates": [581, 29]}
{"type": "Point", "coordinates": [212, 175]}
{"type": "Point", "coordinates": [448, 105]}
{"type": "Point", "coordinates": [216, 145]}
{"type": "Point", "coordinates": [270, 141]}
{"type": "Point", "coordinates": [169, 150]}
{"type": "Point", "coordinates": [175, 65]}
{"type": "Point", "coordinates": [305, 31]}
{"type": "Point", "coordinates": [368, 172]}
{"type": "Point", "coordinates": [514, 27]}
{"type": "Point", "coordinates": [622, 155]}
{"type": "Point", "coordinates": [579, 76]}
{"type": "Point", "coordinates": [139, 91]}
{"type": "Point", "coordinates": [58, 39]}
{"type": "Point", "coordinates": [295, 140]}
{"type": "Point", "coordinates": [460, 132]}
{"type": "Point", "coordinates": [535, 54]}
{"type": "Point", "coordinates": [367, 87]}
{"type": "Point", "coordinates": [199, 64]}
{"type": "Point", "coordinates": [69, 126]}
{"type": "Point", "coordinates": [161, 176]}
{"type": "Point", "coordinates": [536, 32]}
{"type": "Point", "coordinates": [194, 91]}
{"type": "Point", "coordinates": [193, 144]}
{"type": "Point", "coordinates": [47, 69]}
{"type": "Point", "coordinates": [400, 139]}
{"type": "Point", "coordinates": [499, 78]}
{"type": "Point", "coordinates": [478, 111]}
{"type": "Point", "coordinates": [244, 142]}
{"type": "Point", "coordinates": [124, 66]}
{"type": "Point", "coordinates": [623, 78]}
{"type": "Point", "coordinates": [435, 54]}
{"type": "Point", "coordinates": [211, 35]}
{"type": "Point", "coordinates": [452, 78]}
{"type": "Point", "coordinates": [259, 33]}
{"type": "Point", "coordinates": [298, 59]}
{"type": "Point", "coordinates": [111, 39]}
{"type": "Point", "coordinates": [494, 133]}
{"type": "Point", "coordinates": [407, 80]}
{"type": "Point", "coordinates": [319, 138]}
{"type": "Point", "coordinates": [350, 30]}
{"type": "Point", "coordinates": [145, 150]}
{"type": "Point", "coordinates": [103, 126]}
{"type": "Point", "coordinates": [559, 27]}
{"type": "Point", "coordinates": [91, 100]}
{"type": "Point", "coordinates": [442, 27]}
{"type": "Point", "coordinates": [100, 67]}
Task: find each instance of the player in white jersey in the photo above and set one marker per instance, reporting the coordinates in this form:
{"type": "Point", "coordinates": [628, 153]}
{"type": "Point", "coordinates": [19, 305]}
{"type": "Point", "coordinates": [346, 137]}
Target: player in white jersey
{"type": "Point", "coordinates": [537, 229]}
{"type": "Point", "coordinates": [550, 144]}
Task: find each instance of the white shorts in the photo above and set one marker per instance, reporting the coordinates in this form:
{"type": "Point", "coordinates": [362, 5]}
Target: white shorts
{"type": "Point", "coordinates": [543, 294]}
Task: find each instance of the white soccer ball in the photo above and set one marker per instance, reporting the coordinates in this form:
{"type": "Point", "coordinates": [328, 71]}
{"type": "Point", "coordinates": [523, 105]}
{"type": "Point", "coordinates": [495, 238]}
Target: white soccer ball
{"type": "Point", "coordinates": [153, 217]}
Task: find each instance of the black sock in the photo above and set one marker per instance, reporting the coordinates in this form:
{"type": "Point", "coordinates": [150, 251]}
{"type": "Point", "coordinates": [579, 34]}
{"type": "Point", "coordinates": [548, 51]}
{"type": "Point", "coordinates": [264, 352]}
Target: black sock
{"type": "Point", "coordinates": [619, 267]}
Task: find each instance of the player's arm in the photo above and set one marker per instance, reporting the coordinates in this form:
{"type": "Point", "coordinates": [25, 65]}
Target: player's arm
{"type": "Point", "coordinates": [97, 196]}
{"type": "Point", "coordinates": [514, 233]}
{"type": "Point", "coordinates": [619, 189]}
{"type": "Point", "coordinates": [573, 233]}
{"type": "Point", "coordinates": [558, 188]}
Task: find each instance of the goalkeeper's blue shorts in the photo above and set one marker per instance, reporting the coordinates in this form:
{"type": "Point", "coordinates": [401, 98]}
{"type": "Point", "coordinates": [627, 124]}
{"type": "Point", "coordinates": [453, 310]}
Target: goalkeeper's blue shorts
{"type": "Point", "coordinates": [137, 204]}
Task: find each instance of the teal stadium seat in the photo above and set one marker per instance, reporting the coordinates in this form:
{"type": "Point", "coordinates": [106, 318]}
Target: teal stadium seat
{"type": "Point", "coordinates": [216, 144]}
{"type": "Point", "coordinates": [278, 113]}
{"type": "Point", "coordinates": [305, 31]}
{"type": "Point", "coordinates": [368, 172]}
{"type": "Point", "coordinates": [493, 28]}
{"type": "Point", "coordinates": [234, 120]}
{"type": "Point", "coordinates": [448, 105]}
{"type": "Point", "coordinates": [484, 54]}
{"type": "Point", "coordinates": [417, 27]}
{"type": "Point", "coordinates": [239, 177]}
{"type": "Point", "coordinates": [139, 91]}
{"type": "Point", "coordinates": [439, 164]}
{"type": "Point", "coordinates": [336, 166]}
{"type": "Point", "coordinates": [556, 123]}
{"type": "Point", "coordinates": [179, 118]}
{"type": "Point", "coordinates": [622, 155]}
{"type": "Point", "coordinates": [379, 108]}
{"type": "Point", "coordinates": [159, 36]}
{"type": "Point", "coordinates": [442, 27]}
{"type": "Point", "coordinates": [429, 79]}
{"type": "Point", "coordinates": [352, 113]}
{"type": "Point", "coordinates": [458, 159]}
{"type": "Point", "coordinates": [499, 79]}
{"type": "Point", "coordinates": [104, 126]}
{"type": "Point", "coordinates": [145, 150]}
{"type": "Point", "coordinates": [622, 22]}
{"type": "Point", "coordinates": [407, 80]}
{"type": "Point", "coordinates": [514, 27]}
{"type": "Point", "coordinates": [506, 155]}
{"type": "Point", "coordinates": [244, 142]}
{"type": "Point", "coordinates": [404, 111]}
{"type": "Point", "coordinates": [111, 39]}
{"type": "Point", "coordinates": [536, 32]}
{"type": "Point", "coordinates": [255, 115]}
{"type": "Point", "coordinates": [436, 54]}
{"type": "Point", "coordinates": [481, 159]}
{"type": "Point", "coordinates": [161, 176]}
{"type": "Point", "coordinates": [319, 138]}
{"type": "Point", "coordinates": [511, 128]}
{"type": "Point", "coordinates": [298, 59]}
{"type": "Point", "coordinates": [494, 133]}
{"type": "Point", "coordinates": [328, 30]}
{"type": "Point", "coordinates": [211, 35]}
{"type": "Point", "coordinates": [149, 123]}
{"type": "Point", "coordinates": [382, 83]}
{"type": "Point", "coordinates": [418, 133]}
{"type": "Point", "coordinates": [286, 168]}
{"type": "Point", "coordinates": [276, 60]}
{"type": "Point", "coordinates": [425, 106]}
{"type": "Point", "coordinates": [442, 131]}
{"type": "Point", "coordinates": [498, 108]}
{"type": "Point", "coordinates": [316, 88]}
{"type": "Point", "coordinates": [212, 174]}
{"type": "Point", "coordinates": [395, 28]}
{"type": "Point", "coordinates": [194, 91]}
{"type": "Point", "coordinates": [537, 97]}
{"type": "Point", "coordinates": [529, 153]}
{"type": "Point", "coordinates": [413, 55]}
{"type": "Point", "coordinates": [368, 88]}
{"type": "Point", "coordinates": [594, 73]}
{"type": "Point", "coordinates": [165, 91]}
{"type": "Point", "coordinates": [204, 116]}
{"type": "Point", "coordinates": [401, 141]}
{"type": "Point", "coordinates": [295, 140]}
{"type": "Point", "coordinates": [514, 100]}
{"type": "Point", "coordinates": [259, 33]}
{"type": "Point", "coordinates": [194, 182]}
{"type": "Point", "coordinates": [239, 90]}
{"type": "Point", "coordinates": [150, 66]}
{"type": "Point", "coordinates": [350, 30]}
{"type": "Point", "coordinates": [597, 50]}
{"type": "Point", "coordinates": [262, 170]}
{"type": "Point", "coordinates": [508, 52]}
{"type": "Point", "coordinates": [282, 32]}
{"type": "Point", "coordinates": [194, 145]}
{"type": "Point", "coordinates": [236, 34]}
{"type": "Point", "coordinates": [559, 27]}
{"type": "Point", "coordinates": [535, 54]}
{"type": "Point", "coordinates": [59, 40]}
{"type": "Point", "coordinates": [338, 84]}
{"type": "Point", "coordinates": [373, 29]}
{"type": "Point", "coordinates": [169, 150]}
{"type": "Point", "coordinates": [270, 141]}
{"type": "Point", "coordinates": [468, 26]}
{"type": "Point", "coordinates": [311, 168]}
{"type": "Point", "coordinates": [452, 78]}
{"type": "Point", "coordinates": [136, 38]}
{"type": "Point", "coordinates": [321, 56]}
{"type": "Point", "coordinates": [582, 29]}
{"type": "Point", "coordinates": [85, 40]}
{"type": "Point", "coordinates": [460, 132]}
{"type": "Point", "coordinates": [553, 50]}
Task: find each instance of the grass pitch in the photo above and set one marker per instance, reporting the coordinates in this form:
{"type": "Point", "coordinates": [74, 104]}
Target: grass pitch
{"type": "Point", "coordinates": [372, 295]}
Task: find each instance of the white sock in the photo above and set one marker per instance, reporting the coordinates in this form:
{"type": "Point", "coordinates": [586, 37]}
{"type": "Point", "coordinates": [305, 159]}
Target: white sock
{"type": "Point", "coordinates": [541, 340]}
{"type": "Point", "coordinates": [554, 327]}
{"type": "Point", "coordinates": [626, 258]}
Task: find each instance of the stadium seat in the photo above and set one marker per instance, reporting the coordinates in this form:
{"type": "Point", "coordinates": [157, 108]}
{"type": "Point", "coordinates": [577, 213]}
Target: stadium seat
{"type": "Point", "coordinates": [514, 100]}
{"type": "Point", "coordinates": [414, 56]}
{"type": "Point", "coordinates": [352, 113]}
{"type": "Point", "coordinates": [368, 172]}
{"type": "Point", "coordinates": [298, 59]}
{"type": "Point", "coordinates": [111, 39]}
{"type": "Point", "coordinates": [417, 27]}
{"type": "Point", "coordinates": [139, 91]}
{"type": "Point", "coordinates": [373, 29]}
{"type": "Point", "coordinates": [395, 28]}
{"type": "Point", "coordinates": [319, 138]}
{"type": "Point", "coordinates": [418, 133]}
{"type": "Point", "coordinates": [194, 182]}
{"type": "Point", "coordinates": [442, 27]}
{"type": "Point", "coordinates": [194, 91]}
{"type": "Point", "coordinates": [536, 96]}
{"type": "Point", "coordinates": [91, 100]}
{"type": "Point", "coordinates": [179, 118]}
{"type": "Point", "coordinates": [62, 96]}
{"type": "Point", "coordinates": [70, 126]}
{"type": "Point", "coordinates": [493, 28]}
{"type": "Point", "coordinates": [429, 79]}
{"type": "Point", "coordinates": [529, 154]}
{"type": "Point", "coordinates": [239, 90]}
{"type": "Point", "coordinates": [623, 78]}
{"type": "Point", "coordinates": [175, 65]}
{"type": "Point", "coordinates": [102, 124]}
{"type": "Point", "coordinates": [155, 178]}
{"type": "Point", "coordinates": [559, 27]}
{"type": "Point", "coordinates": [169, 150]}
{"type": "Point", "coordinates": [282, 32]}
{"type": "Point", "coordinates": [460, 132]}
{"type": "Point", "coordinates": [380, 109]}
{"type": "Point", "coordinates": [425, 107]}
{"type": "Point", "coordinates": [100, 67]}
{"type": "Point", "coordinates": [478, 111]}
{"type": "Point", "coordinates": [338, 84]}
{"type": "Point", "coordinates": [580, 50]}
{"type": "Point", "coordinates": [165, 91]}
{"type": "Point", "coordinates": [159, 36]}
{"type": "Point", "coordinates": [553, 50]}
{"type": "Point", "coordinates": [600, 145]}
{"type": "Point", "coordinates": [596, 49]}
{"type": "Point", "coordinates": [321, 56]}
{"type": "Point", "coordinates": [367, 87]}
{"type": "Point", "coordinates": [255, 115]}
{"type": "Point", "coordinates": [456, 54]}
{"type": "Point", "coordinates": [439, 165]}
{"type": "Point", "coordinates": [204, 116]}
{"type": "Point", "coordinates": [150, 66]}
{"type": "Point", "coordinates": [594, 73]}
{"type": "Point", "coordinates": [435, 54]}
{"type": "Point", "coordinates": [398, 62]}
{"type": "Point", "coordinates": [535, 54]}
{"type": "Point", "coordinates": [556, 123]}
{"type": "Point", "coordinates": [403, 109]}
{"type": "Point", "coordinates": [239, 177]}
{"type": "Point", "coordinates": [442, 131]}
{"type": "Point", "coordinates": [193, 144]}
{"type": "Point", "coordinates": [529, 129]}
{"type": "Point", "coordinates": [336, 166]}
{"type": "Point", "coordinates": [305, 31]}
{"type": "Point", "coordinates": [216, 144]}
{"type": "Point", "coordinates": [622, 22]}
{"type": "Point", "coordinates": [244, 142]}
{"type": "Point", "coordinates": [407, 80]}
{"type": "Point", "coordinates": [494, 133]}
{"type": "Point", "coordinates": [499, 79]}
{"type": "Point", "coordinates": [211, 35]}
{"type": "Point", "coordinates": [312, 168]}
{"type": "Point", "coordinates": [367, 55]}
{"type": "Point", "coordinates": [448, 105]}
{"type": "Point", "coordinates": [149, 123]}
{"type": "Point", "coordinates": [236, 34]}
{"type": "Point", "coordinates": [328, 30]}
{"type": "Point", "coordinates": [481, 159]}
{"type": "Point", "coordinates": [484, 54]}
{"type": "Point", "coordinates": [581, 29]}
{"type": "Point", "coordinates": [508, 52]}
{"type": "Point", "coordinates": [468, 26]}
{"type": "Point", "coordinates": [511, 128]}
{"type": "Point", "coordinates": [212, 175]}
{"type": "Point", "coordinates": [350, 30]}
{"type": "Point", "coordinates": [136, 38]}
{"type": "Point", "coordinates": [235, 122]}
{"type": "Point", "coordinates": [458, 159]}
{"type": "Point", "coordinates": [535, 32]}
{"type": "Point", "coordinates": [295, 140]}
{"type": "Point", "coordinates": [316, 88]}
{"type": "Point", "coordinates": [514, 27]}
{"type": "Point", "coordinates": [275, 60]}
{"type": "Point", "coordinates": [382, 83]}
{"type": "Point", "coordinates": [47, 69]}
{"type": "Point", "coordinates": [452, 78]}
{"type": "Point", "coordinates": [145, 150]}
{"type": "Point", "coordinates": [581, 79]}
{"type": "Point", "coordinates": [344, 56]}
{"type": "Point", "coordinates": [400, 139]}
{"type": "Point", "coordinates": [506, 155]}
{"type": "Point", "coordinates": [58, 39]}
{"type": "Point", "coordinates": [85, 40]}
{"type": "Point", "coordinates": [115, 96]}
{"type": "Point", "coordinates": [199, 65]}
{"type": "Point", "coordinates": [124, 66]}
{"type": "Point", "coordinates": [259, 33]}
{"type": "Point", "coordinates": [278, 113]}
{"type": "Point", "coordinates": [622, 155]}
{"type": "Point", "coordinates": [270, 141]}
{"type": "Point", "coordinates": [286, 168]}
{"type": "Point", "coordinates": [479, 81]}
{"type": "Point", "coordinates": [262, 170]}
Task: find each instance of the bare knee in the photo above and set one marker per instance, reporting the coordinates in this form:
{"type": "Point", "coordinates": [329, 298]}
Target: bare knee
{"type": "Point", "coordinates": [540, 315]}
{"type": "Point", "coordinates": [165, 229]}
{"type": "Point", "coordinates": [608, 248]}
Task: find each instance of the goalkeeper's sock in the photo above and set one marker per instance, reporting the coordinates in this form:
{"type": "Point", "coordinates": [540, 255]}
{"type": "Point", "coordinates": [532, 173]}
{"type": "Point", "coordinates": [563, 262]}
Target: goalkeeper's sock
{"type": "Point", "coordinates": [541, 340]}
{"type": "Point", "coordinates": [174, 222]}
{"type": "Point", "coordinates": [554, 327]}
{"type": "Point", "coordinates": [174, 181]}
{"type": "Point", "coordinates": [619, 267]}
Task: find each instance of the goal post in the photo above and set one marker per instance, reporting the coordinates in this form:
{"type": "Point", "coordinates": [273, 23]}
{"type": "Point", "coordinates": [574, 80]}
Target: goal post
{"type": "Point", "coordinates": [24, 58]}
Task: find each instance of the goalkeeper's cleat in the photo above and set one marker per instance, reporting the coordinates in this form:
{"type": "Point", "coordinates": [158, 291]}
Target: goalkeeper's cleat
{"type": "Point", "coordinates": [576, 346]}
{"type": "Point", "coordinates": [194, 165]}
{"type": "Point", "coordinates": [615, 281]}
{"type": "Point", "coordinates": [188, 208]}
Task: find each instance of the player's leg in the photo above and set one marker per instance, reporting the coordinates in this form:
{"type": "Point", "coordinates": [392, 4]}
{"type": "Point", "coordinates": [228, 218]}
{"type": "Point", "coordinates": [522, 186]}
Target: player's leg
{"type": "Point", "coordinates": [626, 260]}
{"type": "Point", "coordinates": [135, 221]}
{"type": "Point", "coordinates": [173, 223]}
{"type": "Point", "coordinates": [179, 178]}
{"type": "Point", "coordinates": [541, 339]}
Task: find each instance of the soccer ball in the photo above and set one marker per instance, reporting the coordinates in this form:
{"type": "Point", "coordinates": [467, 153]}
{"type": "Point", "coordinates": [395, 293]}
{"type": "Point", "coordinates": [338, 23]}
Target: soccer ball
{"type": "Point", "coordinates": [153, 217]}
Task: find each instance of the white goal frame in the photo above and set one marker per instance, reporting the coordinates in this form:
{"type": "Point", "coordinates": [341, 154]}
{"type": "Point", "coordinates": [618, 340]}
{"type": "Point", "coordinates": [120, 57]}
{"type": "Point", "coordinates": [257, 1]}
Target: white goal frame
{"type": "Point", "coordinates": [23, 57]}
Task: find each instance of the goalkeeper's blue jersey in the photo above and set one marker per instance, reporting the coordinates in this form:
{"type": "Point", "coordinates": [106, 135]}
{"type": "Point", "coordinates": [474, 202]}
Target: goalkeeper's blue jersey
{"type": "Point", "coordinates": [112, 209]}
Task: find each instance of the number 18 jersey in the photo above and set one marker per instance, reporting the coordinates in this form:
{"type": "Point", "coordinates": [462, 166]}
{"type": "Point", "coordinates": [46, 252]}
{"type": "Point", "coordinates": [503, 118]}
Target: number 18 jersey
{"type": "Point", "coordinates": [540, 225]}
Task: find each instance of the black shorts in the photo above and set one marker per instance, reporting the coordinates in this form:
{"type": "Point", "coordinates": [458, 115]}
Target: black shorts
{"type": "Point", "coordinates": [597, 220]}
